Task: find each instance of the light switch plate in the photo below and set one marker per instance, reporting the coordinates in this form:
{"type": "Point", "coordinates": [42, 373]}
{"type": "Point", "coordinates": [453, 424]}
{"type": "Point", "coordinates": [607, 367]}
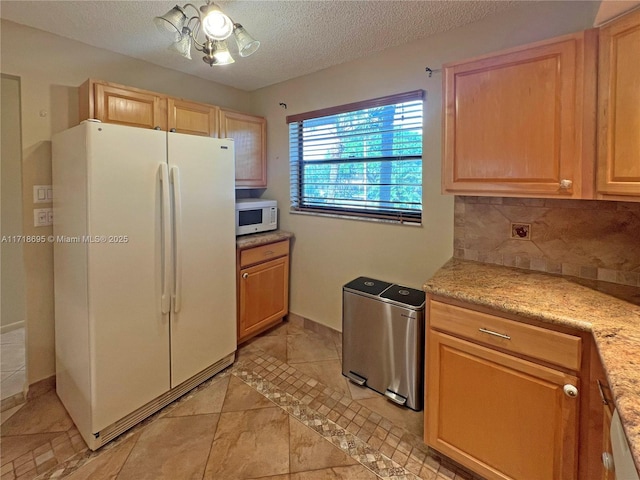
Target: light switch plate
{"type": "Point", "coordinates": [42, 194]}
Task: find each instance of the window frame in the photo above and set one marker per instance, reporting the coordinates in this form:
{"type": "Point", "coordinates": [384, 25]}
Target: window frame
{"type": "Point", "coordinates": [392, 216]}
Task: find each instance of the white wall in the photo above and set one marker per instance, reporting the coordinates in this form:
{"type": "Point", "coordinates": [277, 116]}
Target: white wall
{"type": "Point", "coordinates": [50, 69]}
{"type": "Point", "coordinates": [12, 285]}
{"type": "Point", "coordinates": [329, 252]}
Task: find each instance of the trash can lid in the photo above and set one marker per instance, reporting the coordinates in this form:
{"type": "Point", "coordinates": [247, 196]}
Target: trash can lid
{"type": "Point", "coordinates": [406, 295]}
{"type": "Point", "coordinates": [368, 285]}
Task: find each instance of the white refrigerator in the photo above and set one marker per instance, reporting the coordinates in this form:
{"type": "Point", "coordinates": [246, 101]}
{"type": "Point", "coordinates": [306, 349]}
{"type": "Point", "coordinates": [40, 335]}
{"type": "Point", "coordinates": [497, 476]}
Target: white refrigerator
{"type": "Point", "coordinates": [144, 269]}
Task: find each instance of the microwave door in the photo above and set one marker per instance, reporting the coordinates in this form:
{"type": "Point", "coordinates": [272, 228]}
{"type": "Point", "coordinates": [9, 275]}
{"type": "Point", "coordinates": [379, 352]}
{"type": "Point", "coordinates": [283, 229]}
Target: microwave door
{"type": "Point", "coordinates": [249, 217]}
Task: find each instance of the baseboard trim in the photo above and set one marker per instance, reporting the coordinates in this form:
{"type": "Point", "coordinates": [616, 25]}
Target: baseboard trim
{"type": "Point", "coordinates": [41, 387]}
{"type": "Point", "coordinates": [11, 327]}
{"type": "Point", "coordinates": [316, 327]}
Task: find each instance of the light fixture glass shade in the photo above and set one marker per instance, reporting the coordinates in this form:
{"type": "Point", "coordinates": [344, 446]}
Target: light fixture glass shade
{"type": "Point", "coordinates": [182, 45]}
{"type": "Point", "coordinates": [246, 43]}
{"type": "Point", "coordinates": [221, 53]}
{"type": "Point", "coordinates": [172, 22]}
{"type": "Point", "coordinates": [216, 25]}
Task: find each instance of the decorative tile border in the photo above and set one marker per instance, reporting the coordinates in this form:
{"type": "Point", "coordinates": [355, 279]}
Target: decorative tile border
{"type": "Point", "coordinates": [335, 412]}
{"type": "Point", "coordinates": [353, 446]}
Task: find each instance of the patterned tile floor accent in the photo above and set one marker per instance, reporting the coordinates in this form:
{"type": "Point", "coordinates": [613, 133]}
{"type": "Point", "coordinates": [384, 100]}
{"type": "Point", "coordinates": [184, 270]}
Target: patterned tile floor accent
{"type": "Point", "coordinates": [379, 464]}
{"type": "Point", "coordinates": [369, 438]}
{"type": "Point", "coordinates": [388, 450]}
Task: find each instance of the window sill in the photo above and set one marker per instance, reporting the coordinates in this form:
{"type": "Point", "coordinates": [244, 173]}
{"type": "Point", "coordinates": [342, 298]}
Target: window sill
{"type": "Point", "coordinates": [357, 218]}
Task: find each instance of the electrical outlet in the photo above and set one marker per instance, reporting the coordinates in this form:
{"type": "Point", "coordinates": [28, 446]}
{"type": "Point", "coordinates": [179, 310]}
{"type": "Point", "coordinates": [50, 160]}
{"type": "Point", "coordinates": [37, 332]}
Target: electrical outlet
{"type": "Point", "coordinates": [521, 231]}
{"type": "Point", "coordinates": [42, 217]}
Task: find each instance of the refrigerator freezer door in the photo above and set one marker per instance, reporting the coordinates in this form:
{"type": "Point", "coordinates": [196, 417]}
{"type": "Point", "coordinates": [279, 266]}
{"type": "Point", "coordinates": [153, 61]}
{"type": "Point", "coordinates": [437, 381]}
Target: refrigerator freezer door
{"type": "Point", "coordinates": [128, 334]}
{"type": "Point", "coordinates": [203, 312]}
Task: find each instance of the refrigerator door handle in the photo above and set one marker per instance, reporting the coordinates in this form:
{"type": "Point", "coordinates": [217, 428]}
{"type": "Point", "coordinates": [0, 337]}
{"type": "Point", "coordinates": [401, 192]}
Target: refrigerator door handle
{"type": "Point", "coordinates": [166, 237]}
{"type": "Point", "coordinates": [177, 203]}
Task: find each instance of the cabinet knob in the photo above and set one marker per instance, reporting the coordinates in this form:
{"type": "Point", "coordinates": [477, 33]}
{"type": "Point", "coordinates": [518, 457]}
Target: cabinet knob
{"type": "Point", "coordinates": [172, 130]}
{"type": "Point", "coordinates": [565, 184]}
{"type": "Point", "coordinates": [607, 461]}
{"type": "Point", "coordinates": [570, 390]}
{"type": "Point", "coordinates": [245, 275]}
{"type": "Point", "coordinates": [157, 127]}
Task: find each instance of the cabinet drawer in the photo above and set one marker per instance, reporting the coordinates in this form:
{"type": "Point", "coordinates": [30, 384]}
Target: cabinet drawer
{"type": "Point", "coordinates": [520, 338]}
{"type": "Point", "coordinates": [264, 253]}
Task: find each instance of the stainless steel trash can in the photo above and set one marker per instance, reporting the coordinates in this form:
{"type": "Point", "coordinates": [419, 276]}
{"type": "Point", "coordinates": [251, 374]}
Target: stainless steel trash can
{"type": "Point", "coordinates": [383, 338]}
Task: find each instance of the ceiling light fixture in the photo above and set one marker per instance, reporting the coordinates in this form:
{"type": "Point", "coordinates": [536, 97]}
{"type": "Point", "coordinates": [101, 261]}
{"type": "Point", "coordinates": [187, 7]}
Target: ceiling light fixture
{"type": "Point", "coordinates": [216, 27]}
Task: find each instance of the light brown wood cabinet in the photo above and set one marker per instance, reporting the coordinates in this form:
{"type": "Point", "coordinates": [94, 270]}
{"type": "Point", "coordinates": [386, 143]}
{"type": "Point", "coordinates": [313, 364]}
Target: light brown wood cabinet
{"type": "Point", "coordinates": [192, 118]}
{"type": "Point", "coordinates": [601, 407]}
{"type": "Point", "coordinates": [113, 103]}
{"type": "Point", "coordinates": [249, 133]}
{"type": "Point", "coordinates": [506, 405]}
{"type": "Point", "coordinates": [263, 288]}
{"type": "Point", "coordinates": [520, 122]}
{"type": "Point", "coordinates": [619, 109]}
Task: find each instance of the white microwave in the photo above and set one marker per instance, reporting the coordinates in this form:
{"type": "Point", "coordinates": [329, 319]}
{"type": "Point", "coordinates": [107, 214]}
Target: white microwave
{"type": "Point", "coordinates": [255, 215]}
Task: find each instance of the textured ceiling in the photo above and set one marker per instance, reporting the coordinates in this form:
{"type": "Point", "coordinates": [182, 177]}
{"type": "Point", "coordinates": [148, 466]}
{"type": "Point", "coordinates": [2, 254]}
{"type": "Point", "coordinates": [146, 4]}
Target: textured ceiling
{"type": "Point", "coordinates": [297, 37]}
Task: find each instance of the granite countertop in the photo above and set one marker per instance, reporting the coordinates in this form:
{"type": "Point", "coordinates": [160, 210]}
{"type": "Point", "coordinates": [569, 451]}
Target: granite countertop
{"type": "Point", "coordinates": [256, 239]}
{"type": "Point", "coordinates": [609, 311]}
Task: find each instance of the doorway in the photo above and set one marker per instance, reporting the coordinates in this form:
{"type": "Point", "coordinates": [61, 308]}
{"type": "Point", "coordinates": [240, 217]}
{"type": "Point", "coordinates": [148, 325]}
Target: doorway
{"type": "Point", "coordinates": [12, 273]}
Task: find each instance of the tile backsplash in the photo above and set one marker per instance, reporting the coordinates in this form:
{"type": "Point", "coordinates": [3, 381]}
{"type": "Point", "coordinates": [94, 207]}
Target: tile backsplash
{"type": "Point", "coordinates": [591, 239]}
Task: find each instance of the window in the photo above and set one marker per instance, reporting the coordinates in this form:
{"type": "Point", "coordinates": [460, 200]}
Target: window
{"type": "Point", "coordinates": [361, 160]}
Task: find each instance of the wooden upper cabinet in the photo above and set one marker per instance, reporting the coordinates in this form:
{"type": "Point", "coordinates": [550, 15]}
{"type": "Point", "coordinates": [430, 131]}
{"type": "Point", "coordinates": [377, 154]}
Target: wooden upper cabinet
{"type": "Point", "coordinates": [192, 118]}
{"type": "Point", "coordinates": [619, 108]}
{"type": "Point", "coordinates": [123, 105]}
{"type": "Point", "coordinates": [521, 122]}
{"type": "Point", "coordinates": [249, 134]}
{"type": "Point", "coordinates": [112, 103]}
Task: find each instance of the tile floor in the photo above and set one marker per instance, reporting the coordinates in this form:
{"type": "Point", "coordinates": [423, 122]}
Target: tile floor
{"type": "Point", "coordinates": [283, 411]}
{"type": "Point", "coordinates": [12, 363]}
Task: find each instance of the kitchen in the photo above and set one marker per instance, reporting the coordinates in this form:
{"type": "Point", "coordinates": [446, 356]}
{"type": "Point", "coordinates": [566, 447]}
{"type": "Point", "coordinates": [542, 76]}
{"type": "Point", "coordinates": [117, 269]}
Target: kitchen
{"type": "Point", "coordinates": [327, 252]}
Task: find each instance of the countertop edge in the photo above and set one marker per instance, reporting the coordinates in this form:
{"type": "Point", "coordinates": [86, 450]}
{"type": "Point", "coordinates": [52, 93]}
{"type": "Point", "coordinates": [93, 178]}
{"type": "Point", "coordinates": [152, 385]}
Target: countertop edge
{"type": "Point", "coordinates": [258, 239]}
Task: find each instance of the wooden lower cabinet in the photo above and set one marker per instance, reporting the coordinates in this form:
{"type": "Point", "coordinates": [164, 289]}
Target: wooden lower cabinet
{"type": "Point", "coordinates": [263, 288]}
{"type": "Point", "coordinates": [599, 461]}
{"type": "Point", "coordinates": [502, 416]}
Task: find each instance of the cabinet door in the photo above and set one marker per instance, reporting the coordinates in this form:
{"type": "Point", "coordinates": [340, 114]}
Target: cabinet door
{"type": "Point", "coordinates": [264, 296]}
{"type": "Point", "coordinates": [513, 121]}
{"type": "Point", "coordinates": [501, 416]}
{"type": "Point", "coordinates": [129, 107]}
{"type": "Point", "coordinates": [249, 133]}
{"type": "Point", "coordinates": [598, 448]}
{"type": "Point", "coordinates": [619, 108]}
{"type": "Point", "coordinates": [192, 118]}
{"type": "Point", "coordinates": [608, 470]}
